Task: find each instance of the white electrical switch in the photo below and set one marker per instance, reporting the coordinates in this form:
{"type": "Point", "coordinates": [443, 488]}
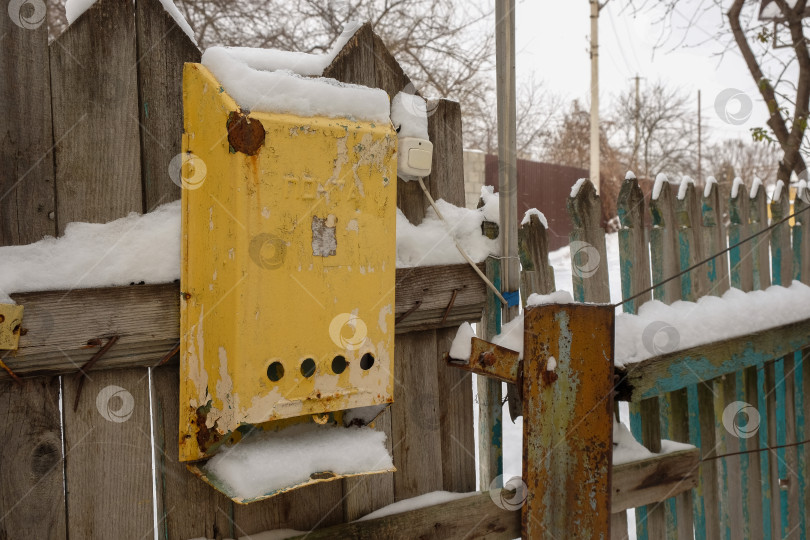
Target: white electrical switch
{"type": "Point", "coordinates": [415, 157]}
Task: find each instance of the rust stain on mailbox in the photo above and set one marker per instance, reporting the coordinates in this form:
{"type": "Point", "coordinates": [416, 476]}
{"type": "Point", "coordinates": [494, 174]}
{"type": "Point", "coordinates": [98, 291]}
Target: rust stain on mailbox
{"type": "Point", "coordinates": [568, 420]}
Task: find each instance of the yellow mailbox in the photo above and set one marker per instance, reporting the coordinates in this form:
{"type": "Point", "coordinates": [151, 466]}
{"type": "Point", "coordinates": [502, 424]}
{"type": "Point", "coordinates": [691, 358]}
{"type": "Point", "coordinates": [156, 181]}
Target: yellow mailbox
{"type": "Point", "coordinates": [288, 267]}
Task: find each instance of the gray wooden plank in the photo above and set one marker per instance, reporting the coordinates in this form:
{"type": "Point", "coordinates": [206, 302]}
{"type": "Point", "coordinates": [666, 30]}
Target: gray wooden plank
{"type": "Point", "coordinates": [741, 261]}
{"type": "Point", "coordinates": [588, 252]}
{"type": "Point", "coordinates": [490, 403]}
{"type": "Point", "coordinates": [32, 498]}
{"type": "Point", "coordinates": [162, 49]}
{"type": "Point", "coordinates": [664, 246]}
{"type": "Point", "coordinates": [108, 472]}
{"type": "Point", "coordinates": [187, 507]}
{"type": "Point", "coordinates": [456, 419]}
{"type": "Point", "coordinates": [364, 494]}
{"type": "Point", "coordinates": [633, 245]}
{"type": "Point", "coordinates": [689, 222]}
{"type": "Point", "coordinates": [59, 324]}
{"type": "Point", "coordinates": [758, 220]}
{"type": "Point", "coordinates": [714, 241]}
{"type": "Point", "coordinates": [537, 275]}
{"type": "Point", "coordinates": [27, 196]}
{"type": "Point", "coordinates": [773, 457]}
{"type": "Point", "coordinates": [307, 508]}
{"type": "Point", "coordinates": [95, 116]}
{"type": "Point", "coordinates": [415, 417]}
{"type": "Point", "coordinates": [446, 180]}
{"type": "Point", "coordinates": [752, 481]}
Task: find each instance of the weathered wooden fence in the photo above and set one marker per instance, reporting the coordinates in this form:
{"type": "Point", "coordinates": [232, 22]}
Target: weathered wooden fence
{"type": "Point", "coordinates": [90, 125]}
{"type": "Point", "coordinates": [747, 489]}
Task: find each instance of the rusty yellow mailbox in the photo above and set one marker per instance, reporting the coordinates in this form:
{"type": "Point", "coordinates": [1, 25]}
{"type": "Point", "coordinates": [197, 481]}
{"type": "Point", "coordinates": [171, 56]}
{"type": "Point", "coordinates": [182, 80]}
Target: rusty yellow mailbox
{"type": "Point", "coordinates": [288, 268]}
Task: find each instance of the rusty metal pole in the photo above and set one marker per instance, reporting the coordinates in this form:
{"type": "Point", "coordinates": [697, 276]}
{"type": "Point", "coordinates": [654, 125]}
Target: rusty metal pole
{"type": "Point", "coordinates": [567, 420]}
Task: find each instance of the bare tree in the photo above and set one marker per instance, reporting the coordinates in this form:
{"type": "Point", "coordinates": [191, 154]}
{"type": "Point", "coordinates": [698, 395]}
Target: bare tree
{"type": "Point", "coordinates": [537, 111]}
{"type": "Point", "coordinates": [734, 157]}
{"type": "Point", "coordinates": [781, 75]}
{"type": "Point", "coordinates": [656, 132]}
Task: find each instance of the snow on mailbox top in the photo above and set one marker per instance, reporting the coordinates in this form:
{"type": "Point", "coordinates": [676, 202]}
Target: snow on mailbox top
{"type": "Point", "coordinates": [289, 82]}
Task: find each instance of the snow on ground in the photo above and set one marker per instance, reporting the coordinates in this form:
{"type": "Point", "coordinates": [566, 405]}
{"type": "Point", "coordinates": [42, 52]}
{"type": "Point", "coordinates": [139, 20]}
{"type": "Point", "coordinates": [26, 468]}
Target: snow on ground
{"type": "Point", "coordinates": [265, 462]}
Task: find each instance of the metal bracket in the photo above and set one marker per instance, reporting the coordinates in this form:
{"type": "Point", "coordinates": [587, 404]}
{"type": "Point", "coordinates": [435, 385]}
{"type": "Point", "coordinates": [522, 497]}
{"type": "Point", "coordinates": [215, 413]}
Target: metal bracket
{"type": "Point", "coordinates": [10, 324]}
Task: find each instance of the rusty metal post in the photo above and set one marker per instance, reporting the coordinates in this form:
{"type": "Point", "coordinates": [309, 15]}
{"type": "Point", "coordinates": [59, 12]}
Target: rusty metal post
{"type": "Point", "coordinates": [567, 420]}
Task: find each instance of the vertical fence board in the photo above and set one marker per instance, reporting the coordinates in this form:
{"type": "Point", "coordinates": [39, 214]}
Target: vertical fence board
{"type": "Point", "coordinates": [162, 49]}
{"type": "Point", "coordinates": [675, 514]}
{"type": "Point", "coordinates": [741, 276]}
{"type": "Point", "coordinates": [690, 241]}
{"type": "Point", "coordinates": [740, 258]}
{"type": "Point", "coordinates": [714, 241]}
{"type": "Point", "coordinates": [782, 271]}
{"type": "Point", "coordinates": [108, 455]}
{"type": "Point", "coordinates": [707, 238]}
{"type": "Point", "coordinates": [760, 259]}
{"type": "Point", "coordinates": [801, 272]}
{"type": "Point", "coordinates": [364, 494]}
{"type": "Point", "coordinates": [456, 419]}
{"type": "Point", "coordinates": [758, 219]}
{"type": "Point", "coordinates": [536, 275]}
{"type": "Point", "coordinates": [774, 495]}
{"type": "Point", "coordinates": [588, 252]}
{"type": "Point", "coordinates": [26, 162]}
{"type": "Point", "coordinates": [307, 508]}
{"type": "Point", "coordinates": [633, 248]}
{"type": "Point", "coordinates": [95, 116]}
{"type": "Point", "coordinates": [490, 408]}
{"type": "Point", "coordinates": [32, 499]}
{"type": "Point", "coordinates": [416, 425]}
{"type": "Point", "coordinates": [187, 507]}
{"type": "Point", "coordinates": [751, 483]}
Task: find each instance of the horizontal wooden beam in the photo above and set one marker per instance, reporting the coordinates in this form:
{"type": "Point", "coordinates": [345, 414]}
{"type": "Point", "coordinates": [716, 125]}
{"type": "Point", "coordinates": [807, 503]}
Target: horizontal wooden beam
{"type": "Point", "coordinates": [635, 484]}
{"type": "Point", "coordinates": [676, 370]}
{"type": "Point", "coordinates": [653, 480]}
{"type": "Point", "coordinates": [63, 329]}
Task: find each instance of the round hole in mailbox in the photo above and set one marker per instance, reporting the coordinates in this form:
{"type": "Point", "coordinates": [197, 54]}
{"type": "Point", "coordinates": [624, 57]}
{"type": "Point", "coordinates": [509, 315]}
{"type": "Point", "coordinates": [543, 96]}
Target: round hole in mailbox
{"type": "Point", "coordinates": [275, 371]}
{"type": "Point", "coordinates": [339, 364]}
{"type": "Point", "coordinates": [367, 361]}
{"type": "Point", "coordinates": [308, 367]}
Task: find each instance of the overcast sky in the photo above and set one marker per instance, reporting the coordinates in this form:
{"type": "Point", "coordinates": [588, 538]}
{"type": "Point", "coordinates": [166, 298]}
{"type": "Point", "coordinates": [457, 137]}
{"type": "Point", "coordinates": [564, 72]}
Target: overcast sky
{"type": "Point", "coordinates": [552, 40]}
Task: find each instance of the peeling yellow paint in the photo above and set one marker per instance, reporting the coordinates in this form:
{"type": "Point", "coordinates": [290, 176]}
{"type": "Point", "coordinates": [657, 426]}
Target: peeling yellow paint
{"type": "Point", "coordinates": [257, 294]}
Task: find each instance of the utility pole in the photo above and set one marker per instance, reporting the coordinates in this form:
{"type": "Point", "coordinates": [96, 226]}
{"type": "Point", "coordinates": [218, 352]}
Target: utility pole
{"type": "Point", "coordinates": [638, 115]}
{"type": "Point", "coordinates": [507, 145]}
{"type": "Point", "coordinates": [700, 170]}
{"type": "Point", "coordinates": [595, 93]}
